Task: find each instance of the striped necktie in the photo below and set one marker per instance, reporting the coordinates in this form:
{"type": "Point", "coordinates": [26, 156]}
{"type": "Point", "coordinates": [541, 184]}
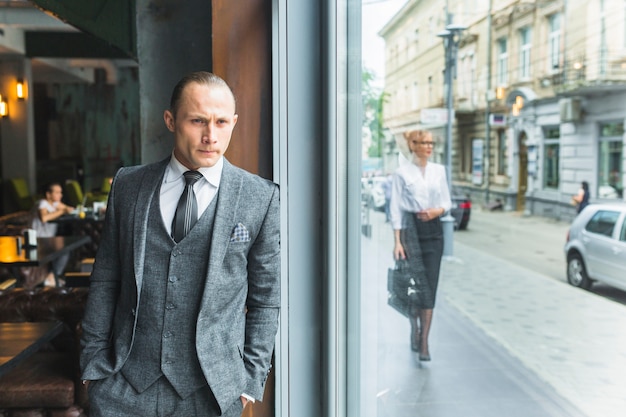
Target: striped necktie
{"type": "Point", "coordinates": [187, 210]}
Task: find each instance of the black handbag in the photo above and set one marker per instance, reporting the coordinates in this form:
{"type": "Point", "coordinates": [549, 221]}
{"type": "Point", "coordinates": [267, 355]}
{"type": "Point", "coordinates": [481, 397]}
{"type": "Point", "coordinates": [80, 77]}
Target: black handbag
{"type": "Point", "coordinates": [401, 287]}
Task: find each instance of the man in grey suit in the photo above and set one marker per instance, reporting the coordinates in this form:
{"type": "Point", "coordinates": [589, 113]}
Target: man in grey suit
{"type": "Point", "coordinates": [183, 306]}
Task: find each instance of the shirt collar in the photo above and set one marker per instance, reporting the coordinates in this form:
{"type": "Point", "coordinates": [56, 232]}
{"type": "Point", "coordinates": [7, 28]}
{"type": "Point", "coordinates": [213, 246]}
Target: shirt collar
{"type": "Point", "coordinates": [212, 174]}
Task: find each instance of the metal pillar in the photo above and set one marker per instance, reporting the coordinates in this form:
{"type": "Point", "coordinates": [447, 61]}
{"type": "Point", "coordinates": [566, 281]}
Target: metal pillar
{"type": "Point", "coordinates": [450, 43]}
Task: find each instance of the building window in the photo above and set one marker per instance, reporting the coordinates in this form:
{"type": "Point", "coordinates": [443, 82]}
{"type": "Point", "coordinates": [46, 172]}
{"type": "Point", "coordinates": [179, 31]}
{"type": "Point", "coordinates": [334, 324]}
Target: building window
{"type": "Point", "coordinates": [431, 31]}
{"type": "Point", "coordinates": [610, 157]}
{"type": "Point", "coordinates": [472, 81]}
{"type": "Point", "coordinates": [554, 41]}
{"type": "Point", "coordinates": [430, 90]}
{"type": "Point", "coordinates": [551, 157]}
{"type": "Point", "coordinates": [524, 56]}
{"type": "Point", "coordinates": [501, 157]}
{"type": "Point", "coordinates": [415, 96]}
{"type": "Point", "coordinates": [503, 58]}
{"type": "Point", "coordinates": [466, 158]}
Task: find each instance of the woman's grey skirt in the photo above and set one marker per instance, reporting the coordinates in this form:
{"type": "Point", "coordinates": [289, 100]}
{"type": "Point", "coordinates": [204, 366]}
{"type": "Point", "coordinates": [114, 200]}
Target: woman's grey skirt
{"type": "Point", "coordinates": [423, 246]}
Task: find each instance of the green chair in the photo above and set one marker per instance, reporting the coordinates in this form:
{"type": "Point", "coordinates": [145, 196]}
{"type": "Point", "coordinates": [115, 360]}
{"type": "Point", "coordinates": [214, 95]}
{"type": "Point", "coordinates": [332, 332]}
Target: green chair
{"type": "Point", "coordinates": [73, 193]}
{"type": "Point", "coordinates": [106, 185]}
{"type": "Point", "coordinates": [20, 196]}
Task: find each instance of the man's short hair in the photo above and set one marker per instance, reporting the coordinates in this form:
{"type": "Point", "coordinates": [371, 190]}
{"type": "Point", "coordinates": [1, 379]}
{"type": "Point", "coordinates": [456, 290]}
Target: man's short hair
{"type": "Point", "coordinates": [199, 77]}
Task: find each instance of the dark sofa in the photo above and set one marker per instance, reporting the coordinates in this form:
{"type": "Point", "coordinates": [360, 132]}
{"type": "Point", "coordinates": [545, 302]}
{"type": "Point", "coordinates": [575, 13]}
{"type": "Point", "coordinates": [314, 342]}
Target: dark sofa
{"type": "Point", "coordinates": [48, 383]}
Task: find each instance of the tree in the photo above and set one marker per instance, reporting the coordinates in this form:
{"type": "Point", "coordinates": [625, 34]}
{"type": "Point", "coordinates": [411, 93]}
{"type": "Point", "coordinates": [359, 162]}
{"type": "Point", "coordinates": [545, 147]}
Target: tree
{"type": "Point", "coordinates": [373, 99]}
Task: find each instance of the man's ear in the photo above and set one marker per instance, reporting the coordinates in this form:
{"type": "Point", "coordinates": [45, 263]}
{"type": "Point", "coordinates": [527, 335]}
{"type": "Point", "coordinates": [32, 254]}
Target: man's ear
{"type": "Point", "coordinates": [170, 123]}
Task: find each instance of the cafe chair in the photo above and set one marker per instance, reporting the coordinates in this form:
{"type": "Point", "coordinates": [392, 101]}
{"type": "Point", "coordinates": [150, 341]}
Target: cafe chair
{"type": "Point", "coordinates": [48, 382]}
{"type": "Point", "coordinates": [106, 185]}
{"type": "Point", "coordinates": [13, 224]}
{"type": "Point", "coordinates": [19, 195]}
{"type": "Point", "coordinates": [73, 193]}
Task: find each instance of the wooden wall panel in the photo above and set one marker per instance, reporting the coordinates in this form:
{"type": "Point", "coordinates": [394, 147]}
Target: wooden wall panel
{"type": "Point", "coordinates": [242, 56]}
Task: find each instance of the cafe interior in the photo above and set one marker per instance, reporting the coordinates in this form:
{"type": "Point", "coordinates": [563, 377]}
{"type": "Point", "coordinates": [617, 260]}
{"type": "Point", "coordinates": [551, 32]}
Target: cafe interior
{"type": "Point", "coordinates": [83, 86]}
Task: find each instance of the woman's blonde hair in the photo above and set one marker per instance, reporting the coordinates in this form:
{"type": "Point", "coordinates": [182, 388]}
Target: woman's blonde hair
{"type": "Point", "coordinates": [417, 134]}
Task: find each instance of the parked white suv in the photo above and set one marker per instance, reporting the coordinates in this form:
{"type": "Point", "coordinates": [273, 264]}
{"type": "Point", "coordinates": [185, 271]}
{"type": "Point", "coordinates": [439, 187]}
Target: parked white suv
{"type": "Point", "coordinates": [596, 246]}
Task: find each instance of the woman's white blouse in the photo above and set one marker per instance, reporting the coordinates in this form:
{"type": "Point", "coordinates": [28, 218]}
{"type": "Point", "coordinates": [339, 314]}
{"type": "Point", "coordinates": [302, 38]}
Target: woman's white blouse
{"type": "Point", "coordinates": [413, 191]}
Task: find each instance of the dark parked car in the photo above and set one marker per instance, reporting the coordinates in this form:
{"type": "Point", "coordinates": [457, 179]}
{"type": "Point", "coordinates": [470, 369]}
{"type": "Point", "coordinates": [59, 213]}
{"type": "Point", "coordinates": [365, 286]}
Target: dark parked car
{"type": "Point", "coordinates": [461, 208]}
{"type": "Point", "coordinates": [596, 246]}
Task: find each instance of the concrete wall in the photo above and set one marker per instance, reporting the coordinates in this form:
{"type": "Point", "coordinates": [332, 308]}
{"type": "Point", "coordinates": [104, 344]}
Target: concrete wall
{"type": "Point", "coordinates": [17, 130]}
{"type": "Point", "coordinates": [173, 38]}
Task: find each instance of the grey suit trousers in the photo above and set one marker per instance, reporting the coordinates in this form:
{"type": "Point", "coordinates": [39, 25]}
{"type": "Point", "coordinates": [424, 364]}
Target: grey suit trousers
{"type": "Point", "coordinates": [115, 397]}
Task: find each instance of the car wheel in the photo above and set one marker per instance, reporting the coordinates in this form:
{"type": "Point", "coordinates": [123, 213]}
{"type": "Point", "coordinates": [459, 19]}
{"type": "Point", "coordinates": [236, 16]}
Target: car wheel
{"type": "Point", "coordinates": [576, 272]}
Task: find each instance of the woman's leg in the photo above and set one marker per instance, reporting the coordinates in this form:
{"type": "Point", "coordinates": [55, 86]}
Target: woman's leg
{"type": "Point", "coordinates": [426, 318]}
{"type": "Point", "coordinates": [414, 316]}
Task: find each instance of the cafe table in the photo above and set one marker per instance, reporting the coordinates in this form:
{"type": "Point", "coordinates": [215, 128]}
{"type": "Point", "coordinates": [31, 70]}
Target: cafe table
{"type": "Point", "coordinates": [13, 252]}
{"type": "Point", "coordinates": [18, 341]}
{"type": "Point", "coordinates": [90, 224]}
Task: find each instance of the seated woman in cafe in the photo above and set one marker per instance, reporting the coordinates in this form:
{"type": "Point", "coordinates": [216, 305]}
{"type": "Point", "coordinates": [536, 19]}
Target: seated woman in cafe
{"type": "Point", "coordinates": [45, 211]}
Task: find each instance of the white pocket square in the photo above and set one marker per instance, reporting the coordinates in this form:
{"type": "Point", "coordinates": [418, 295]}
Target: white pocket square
{"type": "Point", "coordinates": [240, 234]}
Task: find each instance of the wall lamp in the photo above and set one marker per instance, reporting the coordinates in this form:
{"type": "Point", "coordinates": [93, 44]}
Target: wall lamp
{"type": "Point", "coordinates": [19, 89]}
{"type": "Point", "coordinates": [4, 107]}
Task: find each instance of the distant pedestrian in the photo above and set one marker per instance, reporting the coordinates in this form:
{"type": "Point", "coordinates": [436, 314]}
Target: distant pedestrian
{"type": "Point", "coordinates": [419, 197]}
{"type": "Point", "coordinates": [581, 200]}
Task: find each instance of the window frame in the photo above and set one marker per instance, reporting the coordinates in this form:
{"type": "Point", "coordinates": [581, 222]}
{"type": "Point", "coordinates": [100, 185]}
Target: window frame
{"type": "Point", "coordinates": [501, 158]}
{"type": "Point", "coordinates": [502, 77]}
{"type": "Point", "coordinates": [549, 141]}
{"type": "Point", "coordinates": [605, 173]}
{"type": "Point", "coordinates": [554, 42]}
{"type": "Point", "coordinates": [525, 51]}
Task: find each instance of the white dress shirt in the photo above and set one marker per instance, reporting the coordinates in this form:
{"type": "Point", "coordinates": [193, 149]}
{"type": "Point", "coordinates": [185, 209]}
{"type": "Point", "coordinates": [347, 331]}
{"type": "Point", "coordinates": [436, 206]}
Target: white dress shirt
{"type": "Point", "coordinates": [174, 184]}
{"type": "Point", "coordinates": [415, 191]}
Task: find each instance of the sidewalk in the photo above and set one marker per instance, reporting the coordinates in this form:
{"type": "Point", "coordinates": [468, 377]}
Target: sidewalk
{"type": "Point", "coordinates": [571, 339]}
{"type": "Point", "coordinates": [506, 342]}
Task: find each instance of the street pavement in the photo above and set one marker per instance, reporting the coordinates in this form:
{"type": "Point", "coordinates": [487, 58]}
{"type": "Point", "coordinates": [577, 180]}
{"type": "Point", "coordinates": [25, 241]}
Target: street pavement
{"type": "Point", "coordinates": [507, 340]}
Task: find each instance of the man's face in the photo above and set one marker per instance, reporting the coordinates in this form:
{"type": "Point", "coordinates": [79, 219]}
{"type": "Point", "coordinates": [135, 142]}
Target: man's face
{"type": "Point", "coordinates": [202, 126]}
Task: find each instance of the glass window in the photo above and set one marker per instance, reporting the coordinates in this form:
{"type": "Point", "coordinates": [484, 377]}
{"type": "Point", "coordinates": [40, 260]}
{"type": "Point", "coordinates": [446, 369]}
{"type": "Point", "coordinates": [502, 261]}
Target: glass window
{"type": "Point", "coordinates": [501, 152]}
{"type": "Point", "coordinates": [524, 58]}
{"type": "Point", "coordinates": [503, 57]}
{"type": "Point", "coordinates": [603, 222]}
{"type": "Point", "coordinates": [466, 156]}
{"type": "Point", "coordinates": [554, 41]}
{"type": "Point", "coordinates": [415, 96]}
{"type": "Point", "coordinates": [610, 157]}
{"type": "Point", "coordinates": [551, 157]}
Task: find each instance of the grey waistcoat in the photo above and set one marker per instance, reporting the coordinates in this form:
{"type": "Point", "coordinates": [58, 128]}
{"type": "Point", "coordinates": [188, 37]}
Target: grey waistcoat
{"type": "Point", "coordinates": [173, 284]}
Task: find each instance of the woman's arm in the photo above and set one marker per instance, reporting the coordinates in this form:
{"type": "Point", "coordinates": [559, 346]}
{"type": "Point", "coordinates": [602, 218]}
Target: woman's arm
{"type": "Point", "coordinates": [578, 198]}
{"type": "Point", "coordinates": [398, 249]}
{"type": "Point", "coordinates": [46, 216]}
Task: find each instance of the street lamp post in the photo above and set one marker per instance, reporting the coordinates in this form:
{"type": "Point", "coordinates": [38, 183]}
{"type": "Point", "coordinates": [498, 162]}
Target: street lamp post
{"type": "Point", "coordinates": [450, 43]}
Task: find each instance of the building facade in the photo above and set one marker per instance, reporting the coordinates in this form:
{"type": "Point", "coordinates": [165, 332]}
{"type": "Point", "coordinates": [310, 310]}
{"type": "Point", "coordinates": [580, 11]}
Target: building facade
{"type": "Point", "coordinates": [539, 96]}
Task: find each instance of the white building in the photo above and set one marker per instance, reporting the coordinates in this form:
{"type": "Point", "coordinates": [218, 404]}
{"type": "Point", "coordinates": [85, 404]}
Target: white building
{"type": "Point", "coordinates": [539, 97]}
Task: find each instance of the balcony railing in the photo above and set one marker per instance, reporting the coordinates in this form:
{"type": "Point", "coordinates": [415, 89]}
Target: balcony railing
{"type": "Point", "coordinates": [590, 72]}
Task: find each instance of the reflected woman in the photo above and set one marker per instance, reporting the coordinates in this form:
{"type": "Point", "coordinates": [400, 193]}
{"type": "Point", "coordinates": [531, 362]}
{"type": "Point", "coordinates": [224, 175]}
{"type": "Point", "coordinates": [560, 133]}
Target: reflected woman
{"type": "Point", "coordinates": [419, 197]}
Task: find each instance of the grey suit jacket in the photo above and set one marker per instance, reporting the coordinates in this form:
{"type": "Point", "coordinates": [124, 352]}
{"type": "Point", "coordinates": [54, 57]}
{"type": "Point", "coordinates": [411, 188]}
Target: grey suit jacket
{"type": "Point", "coordinates": [238, 318]}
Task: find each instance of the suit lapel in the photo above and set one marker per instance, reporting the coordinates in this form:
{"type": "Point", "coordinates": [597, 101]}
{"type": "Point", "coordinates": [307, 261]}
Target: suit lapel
{"type": "Point", "coordinates": [149, 182]}
{"type": "Point", "coordinates": [225, 214]}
